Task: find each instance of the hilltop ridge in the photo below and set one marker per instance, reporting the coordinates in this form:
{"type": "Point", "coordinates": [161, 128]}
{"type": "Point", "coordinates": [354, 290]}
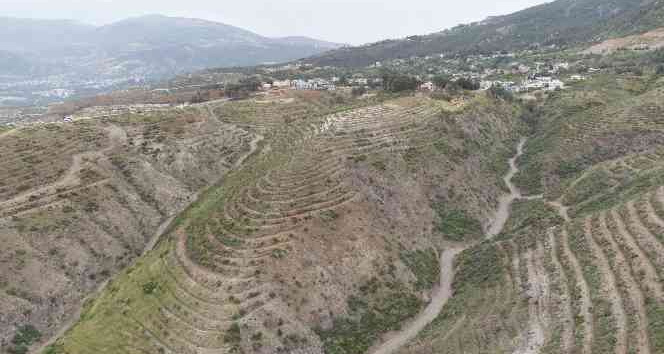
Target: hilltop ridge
{"type": "Point", "coordinates": [561, 23]}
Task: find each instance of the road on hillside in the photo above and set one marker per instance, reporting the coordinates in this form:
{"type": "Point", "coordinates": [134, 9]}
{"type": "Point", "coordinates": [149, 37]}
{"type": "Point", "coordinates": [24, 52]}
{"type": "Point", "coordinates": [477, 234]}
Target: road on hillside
{"type": "Point", "coordinates": [443, 291]}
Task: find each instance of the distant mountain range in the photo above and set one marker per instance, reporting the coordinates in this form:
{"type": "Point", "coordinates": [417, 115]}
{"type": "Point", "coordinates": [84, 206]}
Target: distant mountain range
{"type": "Point", "coordinates": [152, 46]}
{"type": "Point", "coordinates": [561, 23]}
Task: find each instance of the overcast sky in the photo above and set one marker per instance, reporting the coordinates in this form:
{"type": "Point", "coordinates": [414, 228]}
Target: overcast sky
{"type": "Point", "coordinates": [344, 21]}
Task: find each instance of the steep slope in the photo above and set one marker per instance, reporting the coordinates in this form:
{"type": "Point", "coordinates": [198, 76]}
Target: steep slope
{"type": "Point", "coordinates": [79, 202]}
{"type": "Point", "coordinates": [579, 271]}
{"type": "Point", "coordinates": [323, 241]}
{"type": "Point", "coordinates": [562, 23]}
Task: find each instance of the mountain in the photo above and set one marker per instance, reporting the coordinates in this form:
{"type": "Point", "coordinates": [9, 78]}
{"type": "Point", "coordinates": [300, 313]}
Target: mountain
{"type": "Point", "coordinates": [149, 46]}
{"type": "Point", "coordinates": [561, 23]}
{"type": "Point", "coordinates": [30, 35]}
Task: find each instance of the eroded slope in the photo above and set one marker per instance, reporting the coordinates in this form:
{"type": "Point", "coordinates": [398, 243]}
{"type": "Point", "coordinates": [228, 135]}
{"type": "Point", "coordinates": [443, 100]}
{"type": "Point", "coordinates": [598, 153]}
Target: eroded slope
{"type": "Point", "coordinates": [80, 201]}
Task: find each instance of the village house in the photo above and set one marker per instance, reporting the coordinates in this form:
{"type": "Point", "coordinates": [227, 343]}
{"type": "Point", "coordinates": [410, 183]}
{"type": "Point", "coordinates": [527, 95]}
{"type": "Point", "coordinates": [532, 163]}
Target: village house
{"type": "Point", "coordinates": [487, 84]}
{"type": "Point", "coordinates": [313, 85]}
{"type": "Point", "coordinates": [281, 84]}
{"type": "Point", "coordinates": [427, 86]}
{"type": "Point", "coordinates": [541, 83]}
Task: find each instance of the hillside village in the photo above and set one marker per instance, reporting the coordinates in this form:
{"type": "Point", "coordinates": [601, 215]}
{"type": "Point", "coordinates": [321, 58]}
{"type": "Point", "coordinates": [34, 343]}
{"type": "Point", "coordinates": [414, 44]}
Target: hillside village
{"type": "Point", "coordinates": [517, 72]}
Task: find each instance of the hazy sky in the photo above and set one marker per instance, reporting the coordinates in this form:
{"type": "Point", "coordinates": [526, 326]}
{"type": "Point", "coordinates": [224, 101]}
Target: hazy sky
{"type": "Point", "coordinates": [346, 21]}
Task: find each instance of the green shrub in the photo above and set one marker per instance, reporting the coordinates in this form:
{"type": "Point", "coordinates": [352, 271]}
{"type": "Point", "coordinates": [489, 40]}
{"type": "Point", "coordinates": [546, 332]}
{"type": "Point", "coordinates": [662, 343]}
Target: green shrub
{"type": "Point", "coordinates": [233, 336]}
{"type": "Point", "coordinates": [150, 287]}
{"type": "Point", "coordinates": [24, 337]}
{"type": "Point", "coordinates": [329, 215]}
{"type": "Point", "coordinates": [456, 224]}
{"type": "Point", "coordinates": [424, 265]}
{"type": "Point", "coordinates": [368, 319]}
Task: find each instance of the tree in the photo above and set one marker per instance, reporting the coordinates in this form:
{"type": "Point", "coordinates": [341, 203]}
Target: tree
{"type": "Point", "coordinates": [441, 81]}
{"type": "Point", "coordinates": [243, 87]}
{"type": "Point", "coordinates": [467, 84]}
{"type": "Point", "coordinates": [397, 82]}
{"type": "Point", "coordinates": [500, 92]}
{"type": "Point", "coordinates": [359, 91]}
{"type": "Point", "coordinates": [660, 69]}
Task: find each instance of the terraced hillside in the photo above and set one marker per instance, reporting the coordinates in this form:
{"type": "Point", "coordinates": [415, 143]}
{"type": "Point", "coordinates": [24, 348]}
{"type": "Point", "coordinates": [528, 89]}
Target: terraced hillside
{"type": "Point", "coordinates": [580, 270]}
{"type": "Point", "coordinates": [80, 201]}
{"type": "Point", "coordinates": [322, 240]}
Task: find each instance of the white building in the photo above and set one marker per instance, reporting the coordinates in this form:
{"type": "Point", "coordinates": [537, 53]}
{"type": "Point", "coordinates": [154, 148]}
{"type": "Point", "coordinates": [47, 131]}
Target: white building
{"type": "Point", "coordinates": [314, 85]}
{"type": "Point", "coordinates": [282, 84]}
{"type": "Point", "coordinates": [487, 84]}
{"type": "Point", "coordinates": [427, 86]}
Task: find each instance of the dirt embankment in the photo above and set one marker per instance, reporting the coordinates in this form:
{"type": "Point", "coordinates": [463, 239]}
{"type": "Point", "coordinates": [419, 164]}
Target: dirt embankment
{"type": "Point", "coordinates": [647, 41]}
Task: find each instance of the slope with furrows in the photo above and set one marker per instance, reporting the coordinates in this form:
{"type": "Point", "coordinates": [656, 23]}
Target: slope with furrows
{"type": "Point", "coordinates": [325, 228]}
{"type": "Point", "coordinates": [81, 201]}
{"type": "Point", "coordinates": [600, 225]}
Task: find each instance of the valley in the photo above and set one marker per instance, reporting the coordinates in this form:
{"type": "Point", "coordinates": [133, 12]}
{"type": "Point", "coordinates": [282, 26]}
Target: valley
{"type": "Point", "coordinates": [335, 225]}
{"type": "Point", "coordinates": [444, 288]}
{"type": "Point", "coordinates": [213, 276]}
{"type": "Point", "coordinates": [497, 187]}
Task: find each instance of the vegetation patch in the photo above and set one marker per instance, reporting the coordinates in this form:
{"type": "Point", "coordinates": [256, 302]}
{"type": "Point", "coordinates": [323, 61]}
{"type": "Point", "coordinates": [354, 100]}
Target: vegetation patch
{"type": "Point", "coordinates": [329, 215]}
{"type": "Point", "coordinates": [531, 213]}
{"type": "Point", "coordinates": [656, 325]}
{"type": "Point", "coordinates": [233, 337]}
{"type": "Point", "coordinates": [383, 307]}
{"type": "Point", "coordinates": [529, 178]}
{"type": "Point", "coordinates": [594, 183]}
{"type": "Point", "coordinates": [455, 224]}
{"type": "Point", "coordinates": [424, 265]}
{"type": "Point", "coordinates": [25, 336]}
{"type": "Point", "coordinates": [150, 287]}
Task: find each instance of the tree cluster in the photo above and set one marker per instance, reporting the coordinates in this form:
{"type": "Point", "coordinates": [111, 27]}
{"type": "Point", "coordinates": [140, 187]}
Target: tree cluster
{"type": "Point", "coordinates": [243, 87]}
{"type": "Point", "coordinates": [396, 82]}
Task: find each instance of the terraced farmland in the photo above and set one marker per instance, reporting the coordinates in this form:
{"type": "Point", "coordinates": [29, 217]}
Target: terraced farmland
{"type": "Point", "coordinates": [579, 271]}
{"type": "Point", "coordinates": [80, 201]}
{"type": "Point", "coordinates": [593, 285]}
{"type": "Point", "coordinates": [268, 261]}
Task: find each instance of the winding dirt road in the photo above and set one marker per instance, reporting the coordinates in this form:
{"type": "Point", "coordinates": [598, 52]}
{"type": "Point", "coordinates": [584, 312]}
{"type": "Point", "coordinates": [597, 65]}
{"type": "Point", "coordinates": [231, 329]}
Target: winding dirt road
{"type": "Point", "coordinates": [443, 291]}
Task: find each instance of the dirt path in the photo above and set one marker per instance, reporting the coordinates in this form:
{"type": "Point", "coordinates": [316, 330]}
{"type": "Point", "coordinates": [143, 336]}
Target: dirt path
{"type": "Point", "coordinates": [70, 179]}
{"type": "Point", "coordinates": [440, 297]}
{"type": "Point", "coordinates": [253, 148]}
{"type": "Point", "coordinates": [562, 209]}
{"type": "Point", "coordinates": [443, 291]}
{"type": "Point", "coordinates": [505, 202]}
